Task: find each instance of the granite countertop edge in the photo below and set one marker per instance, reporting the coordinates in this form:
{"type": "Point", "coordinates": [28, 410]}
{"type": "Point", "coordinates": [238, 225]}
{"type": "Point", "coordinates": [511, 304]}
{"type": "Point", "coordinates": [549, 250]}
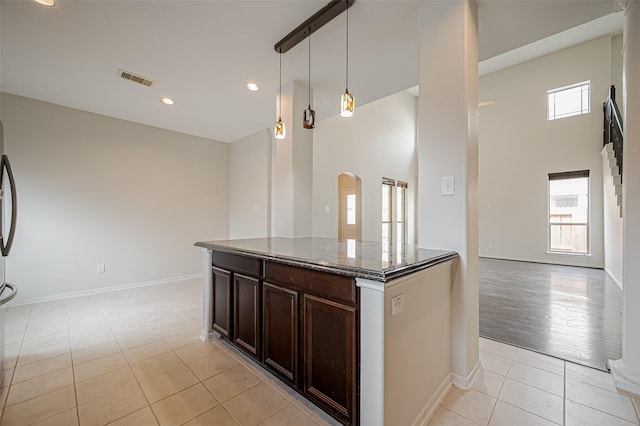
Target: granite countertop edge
{"type": "Point", "coordinates": [350, 271]}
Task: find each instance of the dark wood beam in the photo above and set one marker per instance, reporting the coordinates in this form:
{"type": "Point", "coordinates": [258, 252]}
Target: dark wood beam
{"type": "Point", "coordinates": [311, 25]}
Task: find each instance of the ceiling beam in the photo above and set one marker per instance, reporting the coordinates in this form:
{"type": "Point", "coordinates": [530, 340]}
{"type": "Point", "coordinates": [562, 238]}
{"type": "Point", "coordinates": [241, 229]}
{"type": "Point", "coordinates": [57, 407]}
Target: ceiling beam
{"type": "Point", "coordinates": [311, 25]}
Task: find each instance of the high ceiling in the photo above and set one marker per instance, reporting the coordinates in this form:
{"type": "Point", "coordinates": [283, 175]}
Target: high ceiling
{"type": "Point", "coordinates": [202, 53]}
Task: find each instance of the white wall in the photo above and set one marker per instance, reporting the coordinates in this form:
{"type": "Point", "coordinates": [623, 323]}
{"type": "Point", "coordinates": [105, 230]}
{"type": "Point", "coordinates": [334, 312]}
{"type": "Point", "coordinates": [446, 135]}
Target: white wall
{"type": "Point", "coordinates": [519, 147]}
{"type": "Point", "coordinates": [379, 140]}
{"type": "Point", "coordinates": [613, 227]}
{"type": "Point", "coordinates": [616, 70]}
{"type": "Point", "coordinates": [249, 186]}
{"type": "Point", "coordinates": [93, 189]}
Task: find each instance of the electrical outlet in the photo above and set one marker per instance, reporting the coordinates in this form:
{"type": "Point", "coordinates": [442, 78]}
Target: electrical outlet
{"type": "Point", "coordinates": [397, 304]}
{"type": "Point", "coordinates": [100, 268]}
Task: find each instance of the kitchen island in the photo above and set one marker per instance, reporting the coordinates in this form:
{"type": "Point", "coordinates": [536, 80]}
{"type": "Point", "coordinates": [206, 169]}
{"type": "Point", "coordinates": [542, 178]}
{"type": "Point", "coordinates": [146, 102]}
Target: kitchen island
{"type": "Point", "coordinates": [360, 330]}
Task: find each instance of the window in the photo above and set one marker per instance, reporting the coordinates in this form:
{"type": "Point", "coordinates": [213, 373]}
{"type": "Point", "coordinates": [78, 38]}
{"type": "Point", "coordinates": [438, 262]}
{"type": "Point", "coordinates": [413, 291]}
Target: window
{"type": "Point", "coordinates": [394, 215]}
{"type": "Point", "coordinates": [351, 209]}
{"type": "Point", "coordinates": [569, 212]}
{"type": "Point", "coordinates": [568, 101]}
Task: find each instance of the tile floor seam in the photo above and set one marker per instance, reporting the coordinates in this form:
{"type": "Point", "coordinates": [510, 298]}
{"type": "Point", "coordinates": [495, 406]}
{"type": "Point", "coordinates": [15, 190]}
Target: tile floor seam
{"type": "Point", "coordinates": [281, 410]}
{"type": "Point", "coordinates": [534, 386]}
{"type": "Point", "coordinates": [230, 413]}
{"type": "Point", "coordinates": [599, 410]}
{"type": "Point", "coordinates": [531, 412]}
{"type": "Point", "coordinates": [247, 363]}
{"type": "Point", "coordinates": [564, 396]}
{"type": "Point", "coordinates": [493, 410]}
{"type": "Point", "coordinates": [464, 417]}
{"type": "Point", "coordinates": [149, 404]}
{"type": "Point", "coordinates": [575, 401]}
{"type": "Point", "coordinates": [201, 382]}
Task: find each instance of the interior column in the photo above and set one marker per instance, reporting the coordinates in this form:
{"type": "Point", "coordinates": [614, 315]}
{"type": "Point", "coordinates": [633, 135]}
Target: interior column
{"type": "Point", "coordinates": [626, 371]}
{"type": "Point", "coordinates": [448, 163]}
{"type": "Point", "coordinates": [292, 168]}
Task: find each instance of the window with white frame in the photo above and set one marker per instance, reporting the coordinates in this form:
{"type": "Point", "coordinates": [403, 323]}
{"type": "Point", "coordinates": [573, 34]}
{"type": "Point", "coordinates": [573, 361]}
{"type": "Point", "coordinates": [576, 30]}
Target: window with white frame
{"type": "Point", "coordinates": [569, 212]}
{"type": "Point", "coordinates": [568, 101]}
{"type": "Point", "coordinates": [394, 214]}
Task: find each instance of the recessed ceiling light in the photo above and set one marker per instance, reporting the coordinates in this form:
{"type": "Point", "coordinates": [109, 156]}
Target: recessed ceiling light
{"type": "Point", "coordinates": [167, 101]}
{"type": "Point", "coordinates": [48, 3]}
{"type": "Point", "coordinates": [253, 87]}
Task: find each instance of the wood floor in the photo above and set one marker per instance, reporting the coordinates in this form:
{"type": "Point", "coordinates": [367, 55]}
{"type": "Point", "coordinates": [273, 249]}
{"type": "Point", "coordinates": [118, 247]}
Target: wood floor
{"type": "Point", "coordinates": [567, 312]}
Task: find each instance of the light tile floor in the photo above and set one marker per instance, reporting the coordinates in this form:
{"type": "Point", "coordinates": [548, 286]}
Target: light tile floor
{"type": "Point", "coordinates": [134, 357]}
{"type": "Point", "coordinates": [520, 387]}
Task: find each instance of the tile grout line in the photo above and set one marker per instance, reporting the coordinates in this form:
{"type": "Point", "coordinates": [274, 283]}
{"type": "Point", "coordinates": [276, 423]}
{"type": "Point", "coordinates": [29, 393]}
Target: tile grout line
{"type": "Point", "coordinates": [272, 382]}
{"type": "Point", "coordinates": [129, 364]}
{"type": "Point", "coordinates": [501, 386]}
{"type": "Point", "coordinates": [73, 370]}
{"type": "Point", "coordinates": [15, 366]}
{"type": "Point", "coordinates": [13, 369]}
{"type": "Point", "coordinates": [529, 385]}
{"type": "Point", "coordinates": [564, 396]}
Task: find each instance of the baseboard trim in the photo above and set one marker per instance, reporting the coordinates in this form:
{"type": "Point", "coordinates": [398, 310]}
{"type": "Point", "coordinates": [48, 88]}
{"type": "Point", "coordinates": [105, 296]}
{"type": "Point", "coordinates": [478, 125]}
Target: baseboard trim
{"type": "Point", "coordinates": [466, 383]}
{"type": "Point", "coordinates": [613, 278]}
{"type": "Point", "coordinates": [434, 402]}
{"type": "Point", "coordinates": [103, 290]}
{"type": "Point", "coordinates": [544, 262]}
{"type": "Point", "coordinates": [209, 336]}
{"type": "Point", "coordinates": [625, 379]}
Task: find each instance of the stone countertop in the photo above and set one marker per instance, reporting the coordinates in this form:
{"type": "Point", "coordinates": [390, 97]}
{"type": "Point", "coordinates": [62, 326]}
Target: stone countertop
{"type": "Point", "coordinates": [360, 259]}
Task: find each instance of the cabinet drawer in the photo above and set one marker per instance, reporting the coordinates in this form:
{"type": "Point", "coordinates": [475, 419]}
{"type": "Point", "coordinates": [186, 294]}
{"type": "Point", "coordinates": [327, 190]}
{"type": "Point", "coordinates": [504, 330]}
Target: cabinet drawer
{"type": "Point", "coordinates": [233, 262]}
{"type": "Point", "coordinates": [322, 283]}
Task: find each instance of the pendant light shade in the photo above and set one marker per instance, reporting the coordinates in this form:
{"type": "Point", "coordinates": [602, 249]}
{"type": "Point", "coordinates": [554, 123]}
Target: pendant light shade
{"type": "Point", "coordinates": [347, 100]}
{"type": "Point", "coordinates": [309, 115]}
{"type": "Point", "coordinates": [309, 118]}
{"type": "Point", "coordinates": [347, 104]}
{"type": "Point", "coordinates": [279, 129]}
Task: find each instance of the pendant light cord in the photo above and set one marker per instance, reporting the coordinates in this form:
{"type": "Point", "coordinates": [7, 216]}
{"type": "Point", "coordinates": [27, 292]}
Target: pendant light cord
{"type": "Point", "coordinates": [280, 100]}
{"type": "Point", "coordinates": [309, 68]}
{"type": "Point", "coordinates": [347, 77]}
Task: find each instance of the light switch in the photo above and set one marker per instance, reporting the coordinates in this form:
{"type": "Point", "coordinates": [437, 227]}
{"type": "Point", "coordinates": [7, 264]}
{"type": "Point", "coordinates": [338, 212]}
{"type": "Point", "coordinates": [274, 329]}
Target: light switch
{"type": "Point", "coordinates": [447, 186]}
{"type": "Point", "coordinates": [326, 209]}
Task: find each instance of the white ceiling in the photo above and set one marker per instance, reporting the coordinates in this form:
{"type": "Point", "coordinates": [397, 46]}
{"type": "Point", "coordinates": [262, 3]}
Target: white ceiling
{"type": "Point", "coordinates": [202, 53]}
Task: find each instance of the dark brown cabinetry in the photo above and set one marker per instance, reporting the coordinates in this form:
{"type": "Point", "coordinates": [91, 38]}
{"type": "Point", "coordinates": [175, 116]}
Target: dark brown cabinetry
{"type": "Point", "coordinates": [330, 354]}
{"type": "Point", "coordinates": [301, 324]}
{"type": "Point", "coordinates": [222, 302]}
{"type": "Point", "coordinates": [246, 299]}
{"type": "Point", "coordinates": [280, 325]}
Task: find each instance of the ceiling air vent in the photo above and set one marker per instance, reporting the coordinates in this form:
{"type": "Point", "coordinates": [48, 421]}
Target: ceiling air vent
{"type": "Point", "coordinates": [135, 78]}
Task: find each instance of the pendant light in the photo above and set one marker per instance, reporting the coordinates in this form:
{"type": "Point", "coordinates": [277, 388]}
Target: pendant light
{"type": "Point", "coordinates": [309, 115]}
{"type": "Point", "coordinates": [279, 128]}
{"type": "Point", "coordinates": [347, 100]}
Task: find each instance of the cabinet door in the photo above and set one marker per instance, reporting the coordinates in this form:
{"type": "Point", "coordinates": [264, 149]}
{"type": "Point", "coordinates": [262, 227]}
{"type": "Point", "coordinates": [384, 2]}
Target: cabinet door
{"type": "Point", "coordinates": [247, 305]}
{"type": "Point", "coordinates": [222, 302]}
{"type": "Point", "coordinates": [330, 356]}
{"type": "Point", "coordinates": [280, 330]}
